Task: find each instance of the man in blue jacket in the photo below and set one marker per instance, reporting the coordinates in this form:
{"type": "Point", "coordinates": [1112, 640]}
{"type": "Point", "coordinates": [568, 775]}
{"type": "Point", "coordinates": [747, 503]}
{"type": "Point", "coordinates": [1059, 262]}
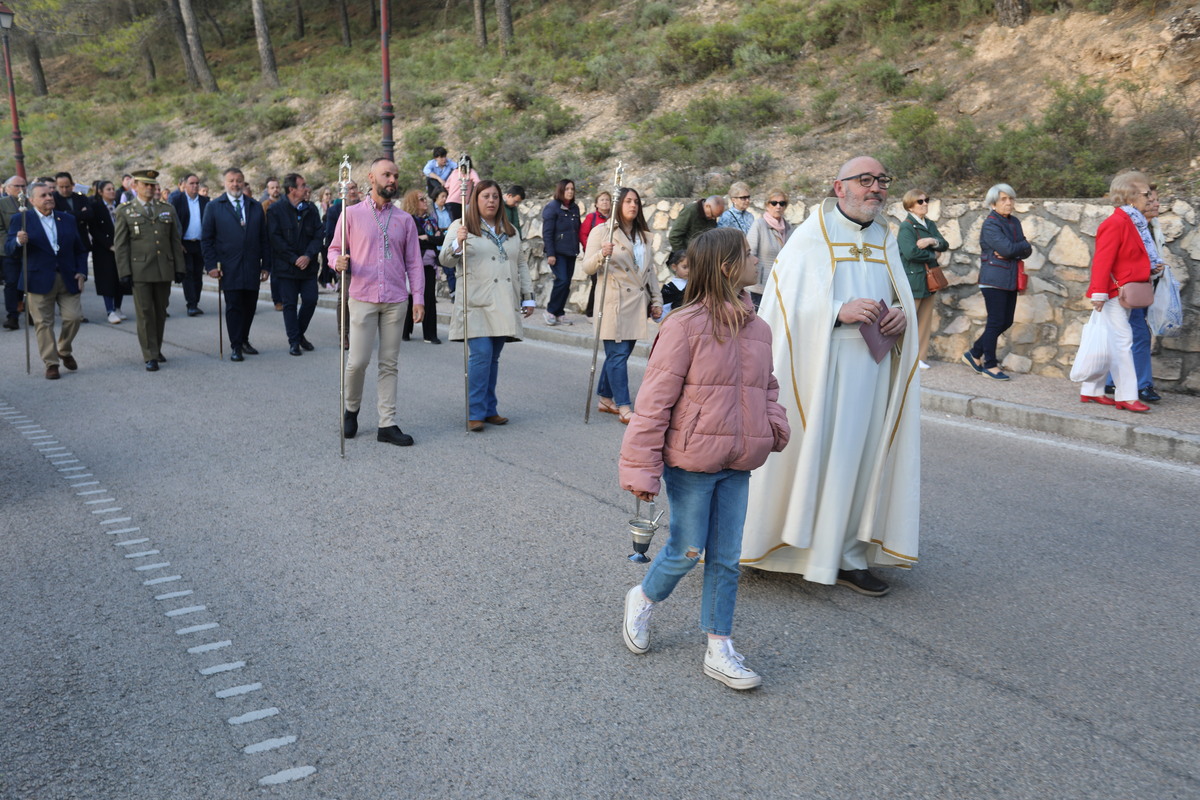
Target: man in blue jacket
{"type": "Point", "coordinates": [57, 269]}
{"type": "Point", "coordinates": [296, 238]}
{"type": "Point", "coordinates": [233, 239]}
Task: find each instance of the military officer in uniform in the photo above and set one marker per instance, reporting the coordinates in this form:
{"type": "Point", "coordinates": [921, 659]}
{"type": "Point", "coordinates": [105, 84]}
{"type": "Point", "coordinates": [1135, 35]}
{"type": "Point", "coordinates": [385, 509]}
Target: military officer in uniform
{"type": "Point", "coordinates": [149, 250]}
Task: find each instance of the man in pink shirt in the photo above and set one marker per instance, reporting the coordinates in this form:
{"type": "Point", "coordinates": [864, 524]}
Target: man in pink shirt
{"type": "Point", "coordinates": [383, 257]}
{"type": "Point", "coordinates": [454, 190]}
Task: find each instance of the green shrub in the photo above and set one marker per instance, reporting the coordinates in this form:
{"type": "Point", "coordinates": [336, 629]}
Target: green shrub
{"type": "Point", "coordinates": [694, 50]}
{"type": "Point", "coordinates": [422, 139]}
{"type": "Point", "coordinates": [927, 153]}
{"type": "Point", "coordinates": [822, 104]}
{"type": "Point", "coordinates": [655, 14]}
{"type": "Point", "coordinates": [884, 76]}
{"type": "Point", "coordinates": [595, 150]}
{"type": "Point", "coordinates": [710, 131]}
{"type": "Point", "coordinates": [676, 183]}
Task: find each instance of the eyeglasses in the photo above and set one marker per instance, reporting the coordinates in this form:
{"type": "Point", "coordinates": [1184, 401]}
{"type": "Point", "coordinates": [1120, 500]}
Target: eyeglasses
{"type": "Point", "coordinates": [780, 203]}
{"type": "Point", "coordinates": [922, 202]}
{"type": "Point", "coordinates": [865, 179]}
{"type": "Point", "coordinates": [1145, 195]}
{"type": "Point", "coordinates": [743, 197]}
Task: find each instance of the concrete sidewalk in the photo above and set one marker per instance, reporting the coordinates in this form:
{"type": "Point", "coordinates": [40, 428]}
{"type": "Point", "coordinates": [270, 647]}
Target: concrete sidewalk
{"type": "Point", "coordinates": [1031, 402]}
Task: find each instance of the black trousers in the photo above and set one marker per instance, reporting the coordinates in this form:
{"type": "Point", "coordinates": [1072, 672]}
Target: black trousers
{"type": "Point", "coordinates": [1001, 307]}
{"type": "Point", "coordinates": [429, 324]}
{"type": "Point", "coordinates": [193, 279]}
{"type": "Point", "coordinates": [239, 314]}
{"type": "Point", "coordinates": [293, 291]}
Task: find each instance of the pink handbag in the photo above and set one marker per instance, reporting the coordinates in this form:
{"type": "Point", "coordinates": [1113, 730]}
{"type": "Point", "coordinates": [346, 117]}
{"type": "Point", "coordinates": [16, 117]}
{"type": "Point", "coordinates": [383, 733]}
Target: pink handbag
{"type": "Point", "coordinates": [1136, 294]}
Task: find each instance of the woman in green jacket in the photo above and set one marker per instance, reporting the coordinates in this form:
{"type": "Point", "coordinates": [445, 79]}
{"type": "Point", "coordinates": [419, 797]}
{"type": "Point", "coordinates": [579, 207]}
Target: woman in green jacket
{"type": "Point", "coordinates": [920, 243]}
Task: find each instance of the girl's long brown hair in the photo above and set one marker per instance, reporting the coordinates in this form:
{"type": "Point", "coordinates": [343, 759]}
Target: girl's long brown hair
{"type": "Point", "coordinates": [471, 213]}
{"type": "Point", "coordinates": [714, 259]}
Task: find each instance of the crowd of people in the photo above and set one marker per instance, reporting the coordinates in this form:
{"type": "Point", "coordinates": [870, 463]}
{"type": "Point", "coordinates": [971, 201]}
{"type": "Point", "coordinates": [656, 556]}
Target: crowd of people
{"type": "Point", "coordinates": [754, 304]}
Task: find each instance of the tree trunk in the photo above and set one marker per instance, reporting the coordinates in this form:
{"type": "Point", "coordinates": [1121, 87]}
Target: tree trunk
{"type": "Point", "coordinates": [374, 16]}
{"type": "Point", "coordinates": [207, 81]}
{"type": "Point", "coordinates": [266, 53]}
{"type": "Point", "coordinates": [480, 24]}
{"type": "Point", "coordinates": [504, 15]}
{"type": "Point", "coordinates": [1012, 13]}
{"type": "Point", "coordinates": [189, 67]}
{"type": "Point", "coordinates": [299, 19]}
{"type": "Point", "coordinates": [147, 58]}
{"type": "Point", "coordinates": [34, 54]}
{"type": "Point", "coordinates": [344, 19]}
{"type": "Point", "coordinates": [216, 28]}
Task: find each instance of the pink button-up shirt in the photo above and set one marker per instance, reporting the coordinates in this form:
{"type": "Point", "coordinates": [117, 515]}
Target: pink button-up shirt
{"type": "Point", "coordinates": [373, 278]}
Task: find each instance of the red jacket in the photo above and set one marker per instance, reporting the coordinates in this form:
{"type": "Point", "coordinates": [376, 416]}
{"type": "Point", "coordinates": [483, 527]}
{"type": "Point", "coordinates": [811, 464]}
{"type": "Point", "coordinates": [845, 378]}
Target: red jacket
{"type": "Point", "coordinates": [592, 220]}
{"type": "Point", "coordinates": [704, 405]}
{"type": "Point", "coordinates": [1120, 257]}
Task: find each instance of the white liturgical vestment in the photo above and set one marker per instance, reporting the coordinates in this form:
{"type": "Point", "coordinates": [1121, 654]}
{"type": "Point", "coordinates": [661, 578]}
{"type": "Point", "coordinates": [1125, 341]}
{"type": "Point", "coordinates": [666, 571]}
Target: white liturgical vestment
{"type": "Point", "coordinates": [851, 473]}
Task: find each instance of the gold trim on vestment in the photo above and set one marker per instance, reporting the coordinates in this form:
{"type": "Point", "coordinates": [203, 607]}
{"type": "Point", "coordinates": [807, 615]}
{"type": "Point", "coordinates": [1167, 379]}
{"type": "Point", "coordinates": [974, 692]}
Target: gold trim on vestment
{"type": "Point", "coordinates": [787, 330]}
{"type": "Point", "coordinates": [764, 555]}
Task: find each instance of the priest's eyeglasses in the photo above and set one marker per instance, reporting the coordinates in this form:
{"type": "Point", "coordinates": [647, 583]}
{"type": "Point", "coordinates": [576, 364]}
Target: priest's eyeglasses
{"type": "Point", "coordinates": [865, 179]}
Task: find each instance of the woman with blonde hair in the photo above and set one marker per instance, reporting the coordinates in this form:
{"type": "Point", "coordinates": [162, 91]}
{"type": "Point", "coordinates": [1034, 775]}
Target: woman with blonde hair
{"type": "Point", "coordinates": [920, 242]}
{"type": "Point", "coordinates": [431, 237]}
{"type": "Point", "coordinates": [494, 293]}
{"type": "Point", "coordinates": [767, 237]}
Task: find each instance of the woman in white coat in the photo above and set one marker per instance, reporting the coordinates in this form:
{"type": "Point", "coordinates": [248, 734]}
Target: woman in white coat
{"type": "Point", "coordinates": [495, 290]}
{"type": "Point", "coordinates": [631, 287]}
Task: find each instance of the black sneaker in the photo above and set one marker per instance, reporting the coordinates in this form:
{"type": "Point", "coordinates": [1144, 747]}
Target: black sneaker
{"type": "Point", "coordinates": [1148, 395]}
{"type": "Point", "coordinates": [1110, 389]}
{"type": "Point", "coordinates": [394, 435]}
{"type": "Point", "coordinates": [863, 582]}
{"type": "Point", "coordinates": [349, 424]}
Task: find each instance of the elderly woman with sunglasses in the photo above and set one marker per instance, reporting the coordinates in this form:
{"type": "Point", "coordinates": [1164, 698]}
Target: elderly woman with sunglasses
{"type": "Point", "coordinates": [767, 236]}
{"type": "Point", "coordinates": [920, 242]}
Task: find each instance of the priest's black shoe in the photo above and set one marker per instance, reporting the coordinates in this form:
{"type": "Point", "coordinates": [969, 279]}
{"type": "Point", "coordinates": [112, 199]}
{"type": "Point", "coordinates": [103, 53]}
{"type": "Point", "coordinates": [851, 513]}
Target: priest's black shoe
{"type": "Point", "coordinates": [1148, 395]}
{"type": "Point", "coordinates": [236, 355]}
{"type": "Point", "coordinates": [349, 424]}
{"type": "Point", "coordinates": [863, 582]}
{"type": "Point", "coordinates": [394, 435]}
{"type": "Point", "coordinates": [306, 344]}
{"type": "Point", "coordinates": [152, 366]}
{"type": "Point", "coordinates": [249, 350]}
{"type": "Point", "coordinates": [295, 350]}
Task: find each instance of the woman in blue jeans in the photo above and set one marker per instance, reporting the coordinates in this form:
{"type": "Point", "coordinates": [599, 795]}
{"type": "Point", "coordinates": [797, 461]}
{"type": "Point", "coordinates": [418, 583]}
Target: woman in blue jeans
{"type": "Point", "coordinates": [630, 289]}
{"type": "Point", "coordinates": [560, 241]}
{"type": "Point", "coordinates": [494, 293]}
{"type": "Point", "coordinates": [1002, 245]}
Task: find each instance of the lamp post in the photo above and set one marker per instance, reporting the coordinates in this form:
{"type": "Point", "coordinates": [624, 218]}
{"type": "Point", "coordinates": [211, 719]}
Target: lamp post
{"type": "Point", "coordinates": [385, 29]}
{"type": "Point", "coordinates": [6, 22]}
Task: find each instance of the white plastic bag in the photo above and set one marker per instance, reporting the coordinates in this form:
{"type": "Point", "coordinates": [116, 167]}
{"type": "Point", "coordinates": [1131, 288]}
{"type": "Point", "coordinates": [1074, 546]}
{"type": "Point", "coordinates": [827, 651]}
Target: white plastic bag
{"type": "Point", "coordinates": [1165, 316]}
{"type": "Point", "coordinates": [1091, 361]}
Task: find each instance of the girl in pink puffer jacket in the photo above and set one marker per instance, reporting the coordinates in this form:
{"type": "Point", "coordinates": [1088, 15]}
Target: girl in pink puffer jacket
{"type": "Point", "coordinates": [706, 415]}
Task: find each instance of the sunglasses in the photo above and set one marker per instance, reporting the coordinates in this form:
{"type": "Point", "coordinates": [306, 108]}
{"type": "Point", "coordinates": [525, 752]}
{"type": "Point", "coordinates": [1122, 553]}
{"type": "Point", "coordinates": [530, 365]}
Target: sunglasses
{"type": "Point", "coordinates": [743, 197]}
{"type": "Point", "coordinates": [922, 202]}
{"type": "Point", "coordinates": [780, 203]}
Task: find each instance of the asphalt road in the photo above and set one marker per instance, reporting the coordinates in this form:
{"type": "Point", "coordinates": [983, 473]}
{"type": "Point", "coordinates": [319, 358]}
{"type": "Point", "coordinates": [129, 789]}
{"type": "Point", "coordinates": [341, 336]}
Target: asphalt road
{"type": "Point", "coordinates": [442, 621]}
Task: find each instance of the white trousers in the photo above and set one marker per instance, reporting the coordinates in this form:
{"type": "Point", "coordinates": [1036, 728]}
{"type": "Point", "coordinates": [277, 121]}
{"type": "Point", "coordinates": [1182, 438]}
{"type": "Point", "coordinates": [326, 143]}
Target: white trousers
{"type": "Point", "coordinates": [367, 320]}
{"type": "Point", "coordinates": [1120, 355]}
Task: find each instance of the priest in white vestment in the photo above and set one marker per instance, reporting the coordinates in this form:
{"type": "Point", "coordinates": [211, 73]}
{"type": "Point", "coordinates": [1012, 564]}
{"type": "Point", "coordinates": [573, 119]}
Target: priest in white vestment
{"type": "Point", "coordinates": [846, 495]}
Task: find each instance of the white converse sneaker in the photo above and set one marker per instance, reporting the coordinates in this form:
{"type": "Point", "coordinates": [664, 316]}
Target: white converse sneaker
{"type": "Point", "coordinates": [551, 319]}
{"type": "Point", "coordinates": [725, 664]}
{"type": "Point", "coordinates": [114, 318]}
{"type": "Point", "coordinates": [636, 629]}
{"type": "Point", "coordinates": [122, 314]}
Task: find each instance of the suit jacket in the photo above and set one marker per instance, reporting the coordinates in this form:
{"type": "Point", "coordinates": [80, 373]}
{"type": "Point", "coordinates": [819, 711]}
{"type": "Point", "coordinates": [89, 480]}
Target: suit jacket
{"type": "Point", "coordinates": [147, 242]}
{"type": "Point", "coordinates": [183, 209]}
{"type": "Point", "coordinates": [44, 263]}
{"type": "Point", "coordinates": [100, 226]}
{"type": "Point", "coordinates": [8, 210]}
{"type": "Point", "coordinates": [242, 252]}
{"type": "Point", "coordinates": [294, 232]}
{"type": "Point", "coordinates": [77, 205]}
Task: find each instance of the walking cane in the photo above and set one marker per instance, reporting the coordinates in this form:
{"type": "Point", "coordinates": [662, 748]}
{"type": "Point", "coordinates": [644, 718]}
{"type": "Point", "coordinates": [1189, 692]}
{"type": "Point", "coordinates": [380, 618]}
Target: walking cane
{"type": "Point", "coordinates": [220, 324]}
{"type": "Point", "coordinates": [344, 180]}
{"type": "Point", "coordinates": [464, 168]}
{"type": "Point", "coordinates": [612, 229]}
{"type": "Point", "coordinates": [25, 279]}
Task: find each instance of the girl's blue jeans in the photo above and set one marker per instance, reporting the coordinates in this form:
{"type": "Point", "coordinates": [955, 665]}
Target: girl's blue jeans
{"type": "Point", "coordinates": [707, 514]}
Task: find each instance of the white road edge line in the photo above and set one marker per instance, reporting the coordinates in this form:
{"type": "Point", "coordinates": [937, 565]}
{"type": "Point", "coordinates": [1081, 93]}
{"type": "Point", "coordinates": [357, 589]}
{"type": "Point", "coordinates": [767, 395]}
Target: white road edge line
{"type": "Point", "coordinates": [165, 579]}
{"type": "Point", "coordinates": [268, 744]}
{"type": "Point", "coordinates": [234, 691]}
{"type": "Point", "coordinates": [253, 716]}
{"type": "Point", "coordinates": [179, 612]}
{"type": "Point", "coordinates": [207, 626]}
{"type": "Point", "coordinates": [287, 775]}
{"type": "Point", "coordinates": [229, 667]}
{"type": "Point", "coordinates": [207, 648]}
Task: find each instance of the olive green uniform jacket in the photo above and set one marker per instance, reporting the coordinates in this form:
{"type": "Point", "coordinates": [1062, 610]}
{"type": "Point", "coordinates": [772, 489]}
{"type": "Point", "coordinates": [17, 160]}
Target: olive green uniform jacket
{"type": "Point", "coordinates": [147, 242]}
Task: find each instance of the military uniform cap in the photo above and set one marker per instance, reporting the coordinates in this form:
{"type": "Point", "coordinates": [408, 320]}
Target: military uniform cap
{"type": "Point", "coordinates": [146, 176]}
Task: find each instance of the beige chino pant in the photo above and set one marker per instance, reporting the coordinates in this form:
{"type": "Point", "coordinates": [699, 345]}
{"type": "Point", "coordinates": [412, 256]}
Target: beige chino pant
{"type": "Point", "coordinates": [366, 321]}
{"type": "Point", "coordinates": [41, 308]}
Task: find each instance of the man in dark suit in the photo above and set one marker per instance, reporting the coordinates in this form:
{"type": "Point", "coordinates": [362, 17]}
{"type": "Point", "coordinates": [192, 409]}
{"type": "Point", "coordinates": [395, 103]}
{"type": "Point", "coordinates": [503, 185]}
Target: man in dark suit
{"type": "Point", "coordinates": [296, 239]}
{"type": "Point", "coordinates": [149, 253]}
{"type": "Point", "coordinates": [14, 187]}
{"type": "Point", "coordinates": [331, 218]}
{"type": "Point", "coordinates": [68, 200]}
{"type": "Point", "coordinates": [236, 249]}
{"type": "Point", "coordinates": [57, 269]}
{"type": "Point", "coordinates": [189, 207]}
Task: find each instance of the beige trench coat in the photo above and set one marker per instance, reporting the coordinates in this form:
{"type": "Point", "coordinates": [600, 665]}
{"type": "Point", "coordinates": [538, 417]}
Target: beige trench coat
{"type": "Point", "coordinates": [495, 285]}
{"type": "Point", "coordinates": [629, 290]}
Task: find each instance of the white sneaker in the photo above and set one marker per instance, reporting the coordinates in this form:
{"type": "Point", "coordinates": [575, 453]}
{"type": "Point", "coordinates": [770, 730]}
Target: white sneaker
{"type": "Point", "coordinates": [725, 664]}
{"type": "Point", "coordinates": [923, 365]}
{"type": "Point", "coordinates": [636, 629]}
{"type": "Point", "coordinates": [114, 318]}
{"type": "Point", "coordinates": [562, 320]}
{"type": "Point", "coordinates": [550, 319]}
{"type": "Point", "coordinates": [121, 314]}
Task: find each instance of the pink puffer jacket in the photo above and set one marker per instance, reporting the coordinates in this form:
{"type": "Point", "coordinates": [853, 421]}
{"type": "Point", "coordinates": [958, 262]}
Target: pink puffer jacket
{"type": "Point", "coordinates": [704, 405]}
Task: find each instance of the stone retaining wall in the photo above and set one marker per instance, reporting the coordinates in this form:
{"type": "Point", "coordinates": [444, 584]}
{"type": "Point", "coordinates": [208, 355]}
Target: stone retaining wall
{"type": "Point", "coordinates": [1050, 315]}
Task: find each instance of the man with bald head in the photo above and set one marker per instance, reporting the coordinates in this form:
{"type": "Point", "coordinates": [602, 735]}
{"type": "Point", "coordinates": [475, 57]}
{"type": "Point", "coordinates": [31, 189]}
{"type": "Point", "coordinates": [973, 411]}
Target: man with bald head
{"type": "Point", "coordinates": [695, 219]}
{"type": "Point", "coordinates": [846, 497]}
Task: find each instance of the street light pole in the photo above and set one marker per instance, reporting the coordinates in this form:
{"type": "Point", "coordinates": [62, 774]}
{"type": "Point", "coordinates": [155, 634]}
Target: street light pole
{"type": "Point", "coordinates": [385, 29]}
{"type": "Point", "coordinates": [6, 22]}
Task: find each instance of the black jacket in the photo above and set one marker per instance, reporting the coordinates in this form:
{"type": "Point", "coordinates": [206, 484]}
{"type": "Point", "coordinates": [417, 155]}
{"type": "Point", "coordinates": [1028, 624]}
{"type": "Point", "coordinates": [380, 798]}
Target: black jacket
{"type": "Point", "coordinates": [183, 210]}
{"type": "Point", "coordinates": [294, 232]}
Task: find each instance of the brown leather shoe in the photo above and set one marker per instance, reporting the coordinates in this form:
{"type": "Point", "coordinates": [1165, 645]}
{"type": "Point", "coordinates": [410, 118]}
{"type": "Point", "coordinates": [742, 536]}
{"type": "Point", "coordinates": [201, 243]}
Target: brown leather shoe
{"type": "Point", "coordinates": [52, 375]}
{"type": "Point", "coordinates": [70, 363]}
{"type": "Point", "coordinates": [474, 425]}
{"type": "Point", "coordinates": [496, 419]}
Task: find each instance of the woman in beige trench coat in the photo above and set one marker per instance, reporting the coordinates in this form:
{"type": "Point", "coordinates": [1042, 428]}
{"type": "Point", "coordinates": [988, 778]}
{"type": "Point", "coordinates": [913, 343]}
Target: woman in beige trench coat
{"type": "Point", "coordinates": [631, 287]}
{"type": "Point", "coordinates": [498, 294]}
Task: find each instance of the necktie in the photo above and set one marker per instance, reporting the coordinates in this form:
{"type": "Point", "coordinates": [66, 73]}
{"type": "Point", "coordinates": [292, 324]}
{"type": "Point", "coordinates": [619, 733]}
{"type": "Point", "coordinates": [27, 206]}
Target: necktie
{"type": "Point", "coordinates": [238, 205]}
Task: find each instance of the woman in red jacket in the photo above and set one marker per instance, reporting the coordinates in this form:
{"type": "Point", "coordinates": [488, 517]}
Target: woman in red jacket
{"type": "Point", "coordinates": [1124, 250]}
